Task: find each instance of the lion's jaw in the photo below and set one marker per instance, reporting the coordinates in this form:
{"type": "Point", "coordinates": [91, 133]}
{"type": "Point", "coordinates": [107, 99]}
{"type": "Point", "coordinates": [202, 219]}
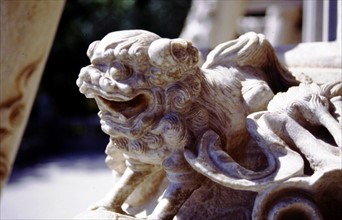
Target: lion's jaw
{"type": "Point", "coordinates": [125, 110]}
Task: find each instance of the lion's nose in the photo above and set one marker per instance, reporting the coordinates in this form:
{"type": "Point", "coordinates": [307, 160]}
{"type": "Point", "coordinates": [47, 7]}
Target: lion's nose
{"type": "Point", "coordinates": [84, 76]}
{"type": "Point", "coordinates": [89, 75]}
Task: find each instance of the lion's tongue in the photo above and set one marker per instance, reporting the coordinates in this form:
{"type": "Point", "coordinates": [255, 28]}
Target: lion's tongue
{"type": "Point", "coordinates": [129, 108]}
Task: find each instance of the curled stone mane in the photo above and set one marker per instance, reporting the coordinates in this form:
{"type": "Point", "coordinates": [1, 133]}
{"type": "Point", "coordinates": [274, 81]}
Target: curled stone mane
{"type": "Point", "coordinates": [129, 46]}
{"type": "Point", "coordinates": [147, 142]}
{"type": "Point", "coordinates": [179, 96]}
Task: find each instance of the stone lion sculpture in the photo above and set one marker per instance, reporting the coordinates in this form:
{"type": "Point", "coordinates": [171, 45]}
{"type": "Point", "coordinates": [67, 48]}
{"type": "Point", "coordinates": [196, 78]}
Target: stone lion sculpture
{"type": "Point", "coordinates": [306, 118]}
{"type": "Point", "coordinates": [165, 114]}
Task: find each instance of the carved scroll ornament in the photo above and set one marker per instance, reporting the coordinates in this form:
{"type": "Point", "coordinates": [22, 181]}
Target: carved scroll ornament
{"type": "Point", "coordinates": [218, 131]}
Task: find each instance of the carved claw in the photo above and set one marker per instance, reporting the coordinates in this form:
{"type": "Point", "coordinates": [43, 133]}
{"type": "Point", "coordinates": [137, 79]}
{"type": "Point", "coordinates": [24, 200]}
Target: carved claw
{"type": "Point", "coordinates": [106, 205]}
{"type": "Point", "coordinates": [316, 112]}
{"type": "Point", "coordinates": [314, 109]}
{"type": "Point", "coordinates": [320, 107]}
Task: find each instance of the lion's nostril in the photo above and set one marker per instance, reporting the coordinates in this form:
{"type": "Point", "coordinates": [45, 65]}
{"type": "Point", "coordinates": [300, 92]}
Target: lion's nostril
{"type": "Point", "coordinates": [106, 84]}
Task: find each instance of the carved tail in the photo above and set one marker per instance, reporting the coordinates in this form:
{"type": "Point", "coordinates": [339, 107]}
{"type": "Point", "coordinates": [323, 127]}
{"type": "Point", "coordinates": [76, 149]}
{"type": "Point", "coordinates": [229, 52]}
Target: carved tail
{"type": "Point", "coordinates": [211, 161]}
{"type": "Point", "coordinates": [253, 50]}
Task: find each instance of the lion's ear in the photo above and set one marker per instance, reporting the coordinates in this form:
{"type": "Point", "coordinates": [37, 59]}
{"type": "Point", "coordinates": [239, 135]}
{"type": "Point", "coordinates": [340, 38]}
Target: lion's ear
{"type": "Point", "coordinates": [179, 49]}
{"type": "Point", "coordinates": [160, 54]}
{"type": "Point", "coordinates": [173, 54]}
{"type": "Point", "coordinates": [91, 48]}
{"type": "Point", "coordinates": [183, 51]}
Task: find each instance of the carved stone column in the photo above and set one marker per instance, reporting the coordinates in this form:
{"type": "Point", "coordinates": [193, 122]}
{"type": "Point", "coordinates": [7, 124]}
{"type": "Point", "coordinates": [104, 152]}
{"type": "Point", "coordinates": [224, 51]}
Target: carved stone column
{"type": "Point", "coordinates": [27, 32]}
{"type": "Point", "coordinates": [210, 23]}
{"type": "Point", "coordinates": [281, 23]}
{"type": "Point", "coordinates": [321, 61]}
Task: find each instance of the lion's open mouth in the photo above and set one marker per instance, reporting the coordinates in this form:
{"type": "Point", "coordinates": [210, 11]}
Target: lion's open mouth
{"type": "Point", "coordinates": [129, 108]}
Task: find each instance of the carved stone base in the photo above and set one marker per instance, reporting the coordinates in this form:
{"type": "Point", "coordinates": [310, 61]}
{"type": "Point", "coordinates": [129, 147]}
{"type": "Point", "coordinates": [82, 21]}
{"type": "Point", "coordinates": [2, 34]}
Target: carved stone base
{"type": "Point", "coordinates": [213, 201]}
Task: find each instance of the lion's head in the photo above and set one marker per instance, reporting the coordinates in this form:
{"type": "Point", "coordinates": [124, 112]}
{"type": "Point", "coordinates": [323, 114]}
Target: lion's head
{"type": "Point", "coordinates": [134, 78]}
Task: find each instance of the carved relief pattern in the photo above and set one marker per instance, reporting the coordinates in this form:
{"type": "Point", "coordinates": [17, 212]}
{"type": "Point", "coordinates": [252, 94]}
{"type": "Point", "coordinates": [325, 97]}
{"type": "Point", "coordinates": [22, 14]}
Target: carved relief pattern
{"type": "Point", "coordinates": [238, 127]}
{"type": "Point", "coordinates": [11, 112]}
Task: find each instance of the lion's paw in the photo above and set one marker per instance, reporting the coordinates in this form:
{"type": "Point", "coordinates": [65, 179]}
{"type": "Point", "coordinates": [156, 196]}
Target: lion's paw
{"type": "Point", "coordinates": [107, 206]}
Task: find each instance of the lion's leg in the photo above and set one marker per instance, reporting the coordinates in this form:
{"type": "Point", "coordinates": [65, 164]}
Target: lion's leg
{"type": "Point", "coordinates": [183, 181]}
{"type": "Point", "coordinates": [321, 113]}
{"type": "Point", "coordinates": [256, 94]}
{"type": "Point", "coordinates": [131, 178]}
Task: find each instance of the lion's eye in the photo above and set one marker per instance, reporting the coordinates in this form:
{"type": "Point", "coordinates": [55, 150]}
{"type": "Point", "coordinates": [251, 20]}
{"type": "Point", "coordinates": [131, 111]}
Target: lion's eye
{"type": "Point", "coordinates": [102, 67]}
{"type": "Point", "coordinates": [99, 64]}
{"type": "Point", "coordinates": [119, 71]}
{"type": "Point", "coordinates": [115, 73]}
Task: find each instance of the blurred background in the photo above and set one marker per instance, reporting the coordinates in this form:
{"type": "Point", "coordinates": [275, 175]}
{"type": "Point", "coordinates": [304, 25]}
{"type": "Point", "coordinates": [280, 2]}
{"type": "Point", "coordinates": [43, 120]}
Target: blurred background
{"type": "Point", "coordinates": [59, 168]}
{"type": "Point", "coordinates": [62, 119]}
